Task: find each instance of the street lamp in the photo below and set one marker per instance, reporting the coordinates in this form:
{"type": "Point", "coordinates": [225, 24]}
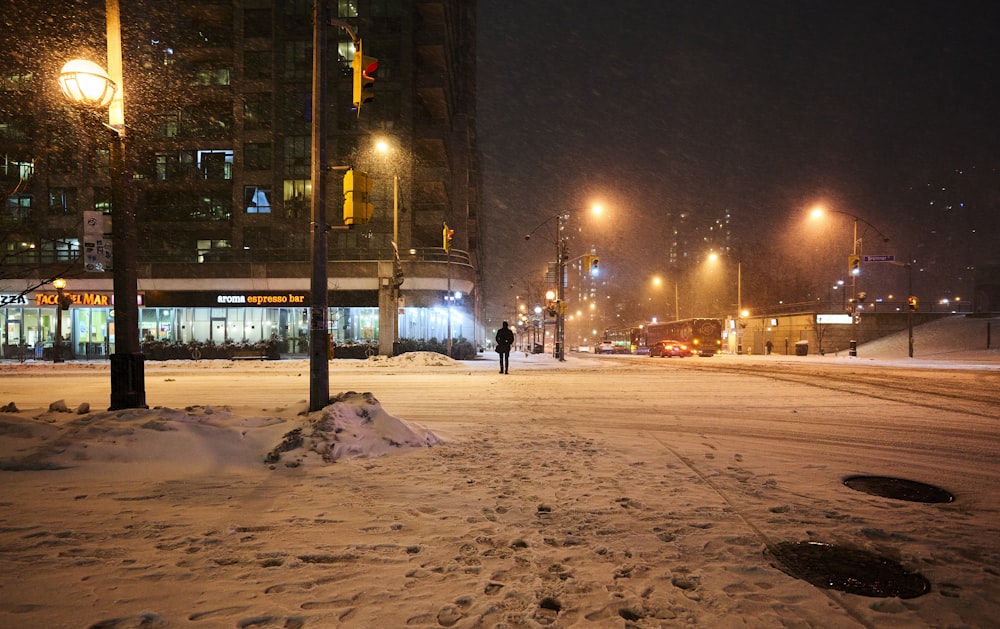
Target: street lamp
{"type": "Point", "coordinates": [854, 267]}
{"type": "Point", "coordinates": [59, 284]}
{"type": "Point", "coordinates": [561, 258]}
{"type": "Point", "coordinates": [85, 83]}
{"type": "Point", "coordinates": [741, 314]}
{"type": "Point", "coordinates": [383, 147]}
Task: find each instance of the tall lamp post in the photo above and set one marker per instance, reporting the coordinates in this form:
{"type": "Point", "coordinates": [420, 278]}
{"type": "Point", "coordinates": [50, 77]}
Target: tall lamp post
{"type": "Point", "coordinates": [854, 267]}
{"type": "Point", "coordinates": [562, 256]}
{"type": "Point", "coordinates": [59, 284]}
{"type": "Point", "coordinates": [84, 82]}
{"type": "Point", "coordinates": [382, 146]}
{"type": "Point", "coordinates": [741, 314]}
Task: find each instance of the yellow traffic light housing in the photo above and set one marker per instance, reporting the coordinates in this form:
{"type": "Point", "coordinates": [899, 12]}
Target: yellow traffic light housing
{"type": "Point", "coordinates": [595, 265]}
{"type": "Point", "coordinates": [357, 209]}
{"type": "Point", "coordinates": [446, 237]}
{"type": "Point", "coordinates": [854, 265]}
{"type": "Point", "coordinates": [364, 76]}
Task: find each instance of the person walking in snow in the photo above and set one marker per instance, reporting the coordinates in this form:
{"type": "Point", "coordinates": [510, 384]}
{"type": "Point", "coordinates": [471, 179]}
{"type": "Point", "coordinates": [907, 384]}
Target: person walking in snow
{"type": "Point", "coordinates": [504, 339]}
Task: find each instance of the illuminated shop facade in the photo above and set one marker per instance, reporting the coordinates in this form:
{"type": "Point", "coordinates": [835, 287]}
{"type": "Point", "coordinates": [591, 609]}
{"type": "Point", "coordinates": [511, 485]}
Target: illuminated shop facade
{"type": "Point", "coordinates": [218, 317]}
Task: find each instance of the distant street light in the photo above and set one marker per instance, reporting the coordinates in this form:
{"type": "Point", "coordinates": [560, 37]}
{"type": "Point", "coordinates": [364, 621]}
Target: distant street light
{"type": "Point", "coordinates": [85, 83]}
{"type": "Point", "coordinates": [741, 314]}
{"type": "Point", "coordinates": [854, 267]}
{"type": "Point", "coordinates": [658, 282]}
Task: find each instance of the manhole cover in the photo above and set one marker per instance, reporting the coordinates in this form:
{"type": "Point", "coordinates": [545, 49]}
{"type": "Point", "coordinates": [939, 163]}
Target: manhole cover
{"type": "Point", "coordinates": [898, 488]}
{"type": "Point", "coordinates": [848, 570]}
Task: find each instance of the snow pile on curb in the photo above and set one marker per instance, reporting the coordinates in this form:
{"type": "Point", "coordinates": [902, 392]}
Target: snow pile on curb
{"type": "Point", "coordinates": [420, 359]}
{"type": "Point", "coordinates": [354, 426]}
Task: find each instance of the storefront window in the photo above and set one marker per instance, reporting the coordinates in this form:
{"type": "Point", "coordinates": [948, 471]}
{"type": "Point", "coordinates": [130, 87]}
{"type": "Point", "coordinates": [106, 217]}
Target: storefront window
{"type": "Point", "coordinates": [93, 332]}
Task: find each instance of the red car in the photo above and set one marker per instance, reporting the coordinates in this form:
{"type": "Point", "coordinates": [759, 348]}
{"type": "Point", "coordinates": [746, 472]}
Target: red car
{"type": "Point", "coordinates": [667, 349]}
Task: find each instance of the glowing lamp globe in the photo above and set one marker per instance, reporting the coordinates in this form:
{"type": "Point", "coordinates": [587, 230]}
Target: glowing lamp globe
{"type": "Point", "coordinates": [86, 83]}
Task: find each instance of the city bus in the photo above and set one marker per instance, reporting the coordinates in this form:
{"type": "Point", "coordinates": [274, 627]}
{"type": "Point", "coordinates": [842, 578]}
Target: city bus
{"type": "Point", "coordinates": [620, 341]}
{"type": "Point", "coordinates": [703, 336]}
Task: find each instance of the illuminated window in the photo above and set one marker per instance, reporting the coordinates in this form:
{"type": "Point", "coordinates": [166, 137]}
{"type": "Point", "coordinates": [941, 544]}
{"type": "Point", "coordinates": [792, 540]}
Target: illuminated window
{"type": "Point", "coordinates": [257, 200]}
{"type": "Point", "coordinates": [216, 165]}
{"type": "Point", "coordinates": [297, 196]}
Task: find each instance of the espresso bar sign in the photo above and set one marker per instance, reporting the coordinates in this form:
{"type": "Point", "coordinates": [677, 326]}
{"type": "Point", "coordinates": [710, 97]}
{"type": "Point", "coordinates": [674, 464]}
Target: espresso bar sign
{"type": "Point", "coordinates": [283, 299]}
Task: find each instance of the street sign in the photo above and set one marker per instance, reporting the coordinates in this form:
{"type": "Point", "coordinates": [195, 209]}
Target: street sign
{"type": "Point", "coordinates": [878, 258]}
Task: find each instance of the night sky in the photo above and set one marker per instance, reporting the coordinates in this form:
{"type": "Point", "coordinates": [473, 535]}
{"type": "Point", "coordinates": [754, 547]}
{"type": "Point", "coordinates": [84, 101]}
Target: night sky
{"type": "Point", "coordinates": [883, 110]}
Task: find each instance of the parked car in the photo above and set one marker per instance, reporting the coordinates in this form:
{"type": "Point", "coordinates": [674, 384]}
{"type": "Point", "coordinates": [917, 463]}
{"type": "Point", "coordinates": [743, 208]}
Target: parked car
{"type": "Point", "coordinates": [668, 349]}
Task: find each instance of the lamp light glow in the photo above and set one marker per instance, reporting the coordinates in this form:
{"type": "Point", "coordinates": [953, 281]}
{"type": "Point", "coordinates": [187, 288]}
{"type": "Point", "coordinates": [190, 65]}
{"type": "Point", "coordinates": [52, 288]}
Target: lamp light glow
{"type": "Point", "coordinates": [86, 83]}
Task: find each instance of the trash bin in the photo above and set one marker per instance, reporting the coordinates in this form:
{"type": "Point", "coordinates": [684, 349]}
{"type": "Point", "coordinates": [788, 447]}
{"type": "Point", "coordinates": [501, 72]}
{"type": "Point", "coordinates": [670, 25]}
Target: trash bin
{"type": "Point", "coordinates": [802, 348]}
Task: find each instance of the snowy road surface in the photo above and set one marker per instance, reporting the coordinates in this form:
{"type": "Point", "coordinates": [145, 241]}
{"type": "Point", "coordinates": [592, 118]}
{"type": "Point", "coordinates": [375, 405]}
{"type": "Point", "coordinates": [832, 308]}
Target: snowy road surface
{"type": "Point", "coordinates": [600, 492]}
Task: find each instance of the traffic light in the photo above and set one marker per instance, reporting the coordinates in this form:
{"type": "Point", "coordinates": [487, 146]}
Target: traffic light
{"type": "Point", "coordinates": [854, 265]}
{"type": "Point", "coordinates": [357, 209]}
{"type": "Point", "coordinates": [447, 235]}
{"type": "Point", "coordinates": [595, 265]}
{"type": "Point", "coordinates": [364, 75]}
{"type": "Point", "coordinates": [911, 301]}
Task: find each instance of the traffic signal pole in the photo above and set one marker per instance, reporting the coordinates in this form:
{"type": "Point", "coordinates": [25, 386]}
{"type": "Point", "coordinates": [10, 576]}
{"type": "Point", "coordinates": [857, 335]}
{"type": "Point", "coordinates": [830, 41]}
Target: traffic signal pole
{"type": "Point", "coordinates": [559, 351]}
{"type": "Point", "coordinates": [562, 258]}
{"type": "Point", "coordinates": [319, 343]}
{"type": "Point", "coordinates": [319, 334]}
{"type": "Point", "coordinates": [854, 294]}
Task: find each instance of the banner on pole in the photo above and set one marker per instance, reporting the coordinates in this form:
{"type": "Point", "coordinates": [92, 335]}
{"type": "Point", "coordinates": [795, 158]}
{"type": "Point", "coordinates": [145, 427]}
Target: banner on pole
{"type": "Point", "coordinates": [96, 244]}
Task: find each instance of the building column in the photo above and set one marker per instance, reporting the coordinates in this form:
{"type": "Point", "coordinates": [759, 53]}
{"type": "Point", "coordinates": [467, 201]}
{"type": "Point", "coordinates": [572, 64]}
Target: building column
{"type": "Point", "coordinates": [387, 309]}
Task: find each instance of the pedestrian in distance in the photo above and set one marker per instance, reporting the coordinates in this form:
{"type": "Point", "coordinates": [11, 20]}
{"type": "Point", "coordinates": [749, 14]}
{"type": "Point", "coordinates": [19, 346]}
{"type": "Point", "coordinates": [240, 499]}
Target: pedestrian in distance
{"type": "Point", "coordinates": [504, 339]}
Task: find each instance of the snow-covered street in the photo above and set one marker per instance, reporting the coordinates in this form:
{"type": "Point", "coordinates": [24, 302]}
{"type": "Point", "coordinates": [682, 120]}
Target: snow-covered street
{"type": "Point", "coordinates": [609, 491]}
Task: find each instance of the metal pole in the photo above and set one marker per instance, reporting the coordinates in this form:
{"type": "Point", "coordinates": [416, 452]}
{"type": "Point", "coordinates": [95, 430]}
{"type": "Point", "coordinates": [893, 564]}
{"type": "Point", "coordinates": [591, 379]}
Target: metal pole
{"type": "Point", "coordinates": [560, 289]}
{"type": "Point", "coordinates": [854, 296]}
{"type": "Point", "coordinates": [395, 213]}
{"type": "Point", "coordinates": [909, 312]}
{"type": "Point", "coordinates": [57, 344]}
{"type": "Point", "coordinates": [128, 386]}
{"type": "Point", "coordinates": [739, 307]}
{"type": "Point", "coordinates": [319, 335]}
{"type": "Point", "coordinates": [448, 299]}
{"type": "Point", "coordinates": [397, 269]}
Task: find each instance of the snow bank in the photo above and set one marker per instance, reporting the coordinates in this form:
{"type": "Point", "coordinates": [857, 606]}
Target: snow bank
{"type": "Point", "coordinates": [354, 426]}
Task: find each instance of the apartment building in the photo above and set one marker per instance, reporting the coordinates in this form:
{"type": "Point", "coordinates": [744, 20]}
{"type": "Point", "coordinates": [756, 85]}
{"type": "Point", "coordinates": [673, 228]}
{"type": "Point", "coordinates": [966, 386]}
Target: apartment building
{"type": "Point", "coordinates": [218, 119]}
